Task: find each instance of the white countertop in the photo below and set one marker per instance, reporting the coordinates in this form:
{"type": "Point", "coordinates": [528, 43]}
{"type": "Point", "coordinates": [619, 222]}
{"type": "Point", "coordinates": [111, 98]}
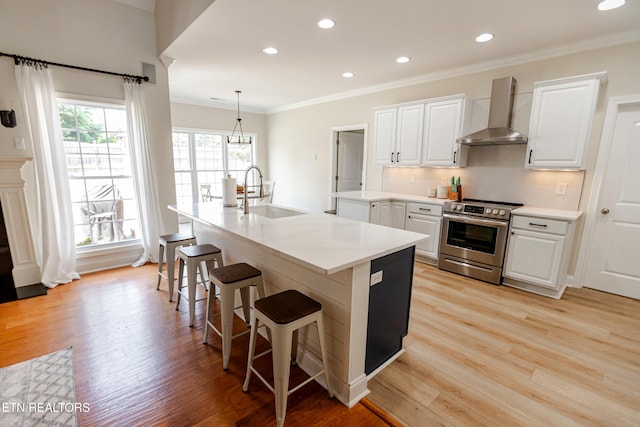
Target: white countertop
{"type": "Point", "coordinates": [549, 213]}
{"type": "Point", "coordinates": [321, 242]}
{"type": "Point", "coordinates": [374, 196]}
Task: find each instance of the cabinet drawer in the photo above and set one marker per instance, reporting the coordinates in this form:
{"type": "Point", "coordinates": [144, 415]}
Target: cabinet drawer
{"type": "Point", "coordinates": [424, 209]}
{"type": "Point", "coordinates": [540, 224]}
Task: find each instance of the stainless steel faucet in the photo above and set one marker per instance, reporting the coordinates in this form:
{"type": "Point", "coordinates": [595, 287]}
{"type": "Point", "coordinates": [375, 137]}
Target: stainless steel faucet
{"type": "Point", "coordinates": [246, 191]}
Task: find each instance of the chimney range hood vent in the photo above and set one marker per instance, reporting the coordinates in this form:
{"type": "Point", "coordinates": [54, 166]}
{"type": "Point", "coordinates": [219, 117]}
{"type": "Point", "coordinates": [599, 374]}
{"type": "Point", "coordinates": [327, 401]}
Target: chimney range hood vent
{"type": "Point", "coordinates": [499, 131]}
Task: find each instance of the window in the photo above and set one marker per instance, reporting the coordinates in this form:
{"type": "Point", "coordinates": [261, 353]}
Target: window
{"type": "Point", "coordinates": [202, 159]}
{"type": "Point", "coordinates": [102, 195]}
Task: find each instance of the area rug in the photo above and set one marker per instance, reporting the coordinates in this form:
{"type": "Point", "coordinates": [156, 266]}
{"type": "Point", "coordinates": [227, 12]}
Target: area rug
{"type": "Point", "coordinates": [39, 392]}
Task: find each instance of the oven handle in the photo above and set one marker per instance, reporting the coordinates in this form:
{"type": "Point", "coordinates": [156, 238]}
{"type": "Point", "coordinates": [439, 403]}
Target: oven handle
{"type": "Point", "coordinates": [467, 220]}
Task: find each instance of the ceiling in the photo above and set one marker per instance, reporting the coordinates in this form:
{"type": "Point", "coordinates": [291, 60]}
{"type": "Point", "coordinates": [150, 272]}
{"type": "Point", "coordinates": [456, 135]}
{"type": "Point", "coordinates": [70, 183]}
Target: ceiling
{"type": "Point", "coordinates": [222, 50]}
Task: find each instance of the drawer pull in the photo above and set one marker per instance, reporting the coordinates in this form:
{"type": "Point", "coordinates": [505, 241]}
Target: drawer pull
{"type": "Point", "coordinates": [533, 224]}
{"type": "Point", "coordinates": [425, 209]}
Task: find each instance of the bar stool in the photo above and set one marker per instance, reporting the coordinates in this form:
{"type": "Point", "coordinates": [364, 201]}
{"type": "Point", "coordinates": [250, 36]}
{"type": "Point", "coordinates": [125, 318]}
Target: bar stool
{"type": "Point", "coordinates": [229, 278]}
{"type": "Point", "coordinates": [171, 242]}
{"type": "Point", "coordinates": [284, 313]}
{"type": "Point", "coordinates": [193, 257]}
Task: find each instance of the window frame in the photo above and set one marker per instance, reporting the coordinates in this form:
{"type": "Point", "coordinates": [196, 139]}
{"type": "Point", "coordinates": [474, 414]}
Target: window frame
{"type": "Point", "coordinates": [107, 247]}
{"type": "Point", "coordinates": [193, 172]}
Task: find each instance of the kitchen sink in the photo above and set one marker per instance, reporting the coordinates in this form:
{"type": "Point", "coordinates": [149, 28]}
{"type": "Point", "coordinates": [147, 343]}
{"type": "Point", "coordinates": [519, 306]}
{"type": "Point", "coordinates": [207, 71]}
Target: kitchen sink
{"type": "Point", "coordinates": [271, 211]}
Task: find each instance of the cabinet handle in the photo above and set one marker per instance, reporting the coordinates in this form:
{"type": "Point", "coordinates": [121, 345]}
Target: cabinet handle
{"type": "Point", "coordinates": [530, 153]}
{"type": "Point", "coordinates": [533, 224]}
{"type": "Point", "coordinates": [392, 157]}
{"type": "Point", "coordinates": [454, 157]}
{"type": "Point", "coordinates": [397, 156]}
{"type": "Point", "coordinates": [425, 209]}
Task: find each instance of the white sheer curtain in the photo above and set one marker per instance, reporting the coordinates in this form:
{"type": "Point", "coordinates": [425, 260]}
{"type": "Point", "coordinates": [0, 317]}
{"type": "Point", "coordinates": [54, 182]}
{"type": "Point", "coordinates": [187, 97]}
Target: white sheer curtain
{"type": "Point", "coordinates": [55, 248]}
{"type": "Point", "coordinates": [143, 173]}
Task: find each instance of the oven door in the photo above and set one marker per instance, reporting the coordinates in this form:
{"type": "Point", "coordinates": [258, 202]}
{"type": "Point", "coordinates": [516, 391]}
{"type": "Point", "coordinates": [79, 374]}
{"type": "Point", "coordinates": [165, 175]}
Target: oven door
{"type": "Point", "coordinates": [474, 239]}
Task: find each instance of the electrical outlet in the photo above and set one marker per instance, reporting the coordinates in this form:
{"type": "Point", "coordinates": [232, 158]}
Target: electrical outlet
{"type": "Point", "coordinates": [376, 278]}
{"type": "Point", "coordinates": [561, 188]}
{"type": "Point", "coordinates": [19, 143]}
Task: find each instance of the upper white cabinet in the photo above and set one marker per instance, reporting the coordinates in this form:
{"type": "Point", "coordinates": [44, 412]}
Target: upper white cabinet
{"type": "Point", "coordinates": [421, 133]}
{"type": "Point", "coordinates": [409, 136]}
{"type": "Point", "coordinates": [561, 121]}
{"type": "Point", "coordinates": [443, 125]}
{"type": "Point", "coordinates": [399, 135]}
{"type": "Point", "coordinates": [385, 136]}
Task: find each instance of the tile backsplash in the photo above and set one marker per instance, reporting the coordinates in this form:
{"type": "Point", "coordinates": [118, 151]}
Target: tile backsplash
{"type": "Point", "coordinates": [493, 173]}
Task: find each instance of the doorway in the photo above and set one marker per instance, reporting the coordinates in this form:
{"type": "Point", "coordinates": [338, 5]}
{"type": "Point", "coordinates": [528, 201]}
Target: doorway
{"type": "Point", "coordinates": [348, 154]}
{"type": "Point", "coordinates": [610, 245]}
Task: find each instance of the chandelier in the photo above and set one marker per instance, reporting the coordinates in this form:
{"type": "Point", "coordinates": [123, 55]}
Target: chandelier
{"type": "Point", "coordinates": [238, 138]}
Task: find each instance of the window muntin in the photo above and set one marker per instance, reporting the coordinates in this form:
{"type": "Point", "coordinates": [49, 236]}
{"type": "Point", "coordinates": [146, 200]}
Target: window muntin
{"type": "Point", "coordinates": [100, 180]}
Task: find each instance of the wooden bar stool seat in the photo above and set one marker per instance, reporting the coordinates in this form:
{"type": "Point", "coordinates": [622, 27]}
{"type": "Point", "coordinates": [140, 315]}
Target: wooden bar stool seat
{"type": "Point", "coordinates": [229, 279]}
{"type": "Point", "coordinates": [284, 313]}
{"type": "Point", "coordinates": [169, 243]}
{"type": "Point", "coordinates": [195, 258]}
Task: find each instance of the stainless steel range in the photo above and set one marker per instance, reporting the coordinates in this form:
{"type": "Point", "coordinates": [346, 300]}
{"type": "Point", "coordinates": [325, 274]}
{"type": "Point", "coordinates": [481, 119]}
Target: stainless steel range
{"type": "Point", "coordinates": [474, 238]}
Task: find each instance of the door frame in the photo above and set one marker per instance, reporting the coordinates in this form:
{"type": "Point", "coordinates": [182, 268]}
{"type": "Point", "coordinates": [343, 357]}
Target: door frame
{"type": "Point", "coordinates": [333, 132]}
{"type": "Point", "coordinates": [591, 214]}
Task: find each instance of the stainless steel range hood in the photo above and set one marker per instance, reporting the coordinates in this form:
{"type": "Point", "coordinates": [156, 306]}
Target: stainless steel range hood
{"type": "Point", "coordinates": [499, 131]}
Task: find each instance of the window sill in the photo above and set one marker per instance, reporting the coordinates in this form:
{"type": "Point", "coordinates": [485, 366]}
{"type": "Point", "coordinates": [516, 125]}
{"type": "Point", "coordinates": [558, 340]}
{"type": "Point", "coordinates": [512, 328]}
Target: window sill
{"type": "Point", "coordinates": [108, 256]}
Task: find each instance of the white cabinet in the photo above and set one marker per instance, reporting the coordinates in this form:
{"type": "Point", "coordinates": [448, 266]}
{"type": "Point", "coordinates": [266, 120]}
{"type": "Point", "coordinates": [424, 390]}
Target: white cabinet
{"type": "Point", "coordinates": [409, 135]}
{"type": "Point", "coordinates": [537, 254]}
{"type": "Point", "coordinates": [399, 135]}
{"type": "Point", "coordinates": [353, 209]}
{"type": "Point", "coordinates": [443, 125]}
{"type": "Point", "coordinates": [388, 213]}
{"type": "Point", "coordinates": [385, 136]}
{"type": "Point", "coordinates": [561, 121]}
{"type": "Point", "coordinates": [425, 218]}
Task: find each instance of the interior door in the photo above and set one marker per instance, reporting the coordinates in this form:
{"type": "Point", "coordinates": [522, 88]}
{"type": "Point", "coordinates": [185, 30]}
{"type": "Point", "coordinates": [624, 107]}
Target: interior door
{"type": "Point", "coordinates": [612, 263]}
{"type": "Point", "coordinates": [350, 157]}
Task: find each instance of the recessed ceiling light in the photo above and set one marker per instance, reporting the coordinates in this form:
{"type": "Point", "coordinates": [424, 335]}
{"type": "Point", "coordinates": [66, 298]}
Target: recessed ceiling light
{"type": "Point", "coordinates": [270, 50]}
{"type": "Point", "coordinates": [484, 37]}
{"type": "Point", "coordinates": [326, 23]}
{"type": "Point", "coordinates": [610, 4]}
{"type": "Point", "coordinates": [348, 74]}
{"type": "Point", "coordinates": [403, 59]}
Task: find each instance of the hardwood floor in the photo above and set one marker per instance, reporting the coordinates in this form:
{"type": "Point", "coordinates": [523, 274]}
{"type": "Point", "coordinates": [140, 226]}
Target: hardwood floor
{"type": "Point", "coordinates": [478, 354]}
{"type": "Point", "coordinates": [137, 362]}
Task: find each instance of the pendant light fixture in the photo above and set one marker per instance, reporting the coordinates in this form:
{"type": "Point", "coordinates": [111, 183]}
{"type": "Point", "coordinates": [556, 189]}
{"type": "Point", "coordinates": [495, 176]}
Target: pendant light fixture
{"type": "Point", "coordinates": [239, 138]}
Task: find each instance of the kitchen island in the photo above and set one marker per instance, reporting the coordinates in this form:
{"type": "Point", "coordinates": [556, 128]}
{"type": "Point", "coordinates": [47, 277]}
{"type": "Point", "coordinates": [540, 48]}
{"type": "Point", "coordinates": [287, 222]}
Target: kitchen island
{"type": "Point", "coordinates": [360, 272]}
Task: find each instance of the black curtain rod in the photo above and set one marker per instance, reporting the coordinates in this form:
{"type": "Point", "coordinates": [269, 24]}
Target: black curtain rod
{"type": "Point", "coordinates": [18, 58]}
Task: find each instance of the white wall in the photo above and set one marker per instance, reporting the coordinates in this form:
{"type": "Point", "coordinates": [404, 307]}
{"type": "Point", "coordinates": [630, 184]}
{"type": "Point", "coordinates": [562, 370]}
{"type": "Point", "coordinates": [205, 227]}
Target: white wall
{"type": "Point", "coordinates": [96, 34]}
{"type": "Point", "coordinates": [300, 139]}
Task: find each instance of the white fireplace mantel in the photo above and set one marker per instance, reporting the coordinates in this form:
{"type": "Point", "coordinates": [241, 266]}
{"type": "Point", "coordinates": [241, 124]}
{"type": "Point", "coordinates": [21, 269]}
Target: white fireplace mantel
{"type": "Point", "coordinates": [14, 209]}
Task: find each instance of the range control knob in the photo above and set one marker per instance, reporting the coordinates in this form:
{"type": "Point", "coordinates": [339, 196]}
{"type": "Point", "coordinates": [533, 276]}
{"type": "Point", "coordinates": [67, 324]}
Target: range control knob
{"type": "Point", "coordinates": [502, 212]}
{"type": "Point", "coordinates": [492, 211]}
{"type": "Point", "coordinates": [459, 207]}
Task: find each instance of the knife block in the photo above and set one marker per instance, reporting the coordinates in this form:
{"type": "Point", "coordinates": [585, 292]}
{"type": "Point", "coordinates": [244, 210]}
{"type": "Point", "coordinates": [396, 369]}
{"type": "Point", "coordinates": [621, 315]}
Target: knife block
{"type": "Point", "coordinates": [456, 196]}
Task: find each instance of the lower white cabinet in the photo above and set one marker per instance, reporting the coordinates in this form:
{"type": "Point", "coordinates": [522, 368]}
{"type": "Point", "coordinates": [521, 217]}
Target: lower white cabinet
{"type": "Point", "coordinates": [538, 253]}
{"type": "Point", "coordinates": [426, 219]}
{"type": "Point", "coordinates": [388, 213]}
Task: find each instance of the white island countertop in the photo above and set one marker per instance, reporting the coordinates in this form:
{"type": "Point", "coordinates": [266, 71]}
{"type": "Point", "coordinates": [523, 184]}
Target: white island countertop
{"type": "Point", "coordinates": [321, 242]}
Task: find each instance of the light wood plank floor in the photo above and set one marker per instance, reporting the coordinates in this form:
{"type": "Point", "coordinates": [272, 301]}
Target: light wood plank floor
{"type": "Point", "coordinates": [479, 354]}
{"type": "Point", "coordinates": [137, 362]}
{"type": "Point", "coordinates": [476, 354]}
